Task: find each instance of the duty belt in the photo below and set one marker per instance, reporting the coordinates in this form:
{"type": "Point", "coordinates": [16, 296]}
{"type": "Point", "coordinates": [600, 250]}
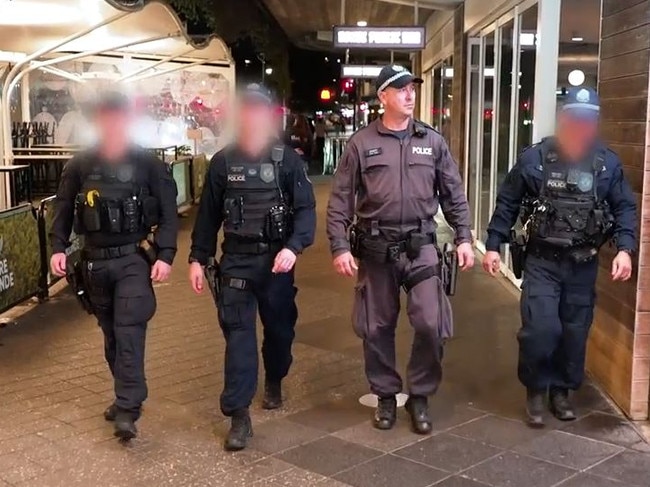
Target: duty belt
{"type": "Point", "coordinates": [548, 252]}
{"type": "Point", "coordinates": [233, 246]}
{"type": "Point", "coordinates": [382, 250]}
{"type": "Point", "coordinates": [106, 253]}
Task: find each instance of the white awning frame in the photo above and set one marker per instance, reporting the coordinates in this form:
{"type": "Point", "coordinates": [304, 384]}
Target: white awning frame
{"type": "Point", "coordinates": [42, 59]}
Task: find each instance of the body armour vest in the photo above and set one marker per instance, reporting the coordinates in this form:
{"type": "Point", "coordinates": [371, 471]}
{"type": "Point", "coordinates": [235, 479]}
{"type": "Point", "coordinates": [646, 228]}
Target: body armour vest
{"type": "Point", "coordinates": [110, 201]}
{"type": "Point", "coordinates": [568, 212]}
{"type": "Point", "coordinates": [252, 198]}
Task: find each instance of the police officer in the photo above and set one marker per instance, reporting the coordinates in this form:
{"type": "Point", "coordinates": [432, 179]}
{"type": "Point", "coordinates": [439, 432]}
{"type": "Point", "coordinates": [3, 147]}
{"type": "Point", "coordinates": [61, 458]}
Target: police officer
{"type": "Point", "coordinates": [393, 176]}
{"type": "Point", "coordinates": [258, 190]}
{"type": "Point", "coordinates": [575, 197]}
{"type": "Point", "coordinates": [114, 194]}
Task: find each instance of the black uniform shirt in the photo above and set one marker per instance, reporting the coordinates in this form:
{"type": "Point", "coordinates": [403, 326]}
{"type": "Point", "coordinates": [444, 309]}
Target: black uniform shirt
{"type": "Point", "coordinates": [151, 173]}
{"type": "Point", "coordinates": [526, 178]}
{"type": "Point", "coordinates": [295, 185]}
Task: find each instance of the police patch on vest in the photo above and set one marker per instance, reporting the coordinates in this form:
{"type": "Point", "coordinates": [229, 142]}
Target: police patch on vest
{"type": "Point", "coordinates": [252, 172]}
{"type": "Point", "coordinates": [556, 184]}
{"type": "Point", "coordinates": [125, 173]}
{"type": "Point", "coordinates": [585, 182]}
{"type": "Point", "coordinates": [236, 178]}
{"type": "Point", "coordinates": [267, 173]}
{"type": "Point", "coordinates": [423, 151]}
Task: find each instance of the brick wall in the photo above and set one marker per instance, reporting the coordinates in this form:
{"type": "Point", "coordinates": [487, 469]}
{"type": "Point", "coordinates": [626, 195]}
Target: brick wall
{"type": "Point", "coordinates": [619, 348]}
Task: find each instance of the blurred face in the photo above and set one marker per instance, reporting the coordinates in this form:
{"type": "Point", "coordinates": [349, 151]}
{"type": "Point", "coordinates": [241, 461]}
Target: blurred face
{"type": "Point", "coordinates": [256, 120]}
{"type": "Point", "coordinates": [112, 126]}
{"type": "Point", "coordinates": [579, 131]}
{"type": "Point", "coordinates": [399, 101]}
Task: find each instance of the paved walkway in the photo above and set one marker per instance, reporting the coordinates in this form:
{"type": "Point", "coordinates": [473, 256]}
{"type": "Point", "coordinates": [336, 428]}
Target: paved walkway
{"type": "Point", "coordinates": [54, 386]}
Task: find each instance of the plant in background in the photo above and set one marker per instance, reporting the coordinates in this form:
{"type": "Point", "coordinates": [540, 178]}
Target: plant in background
{"type": "Point", "coordinates": [237, 21]}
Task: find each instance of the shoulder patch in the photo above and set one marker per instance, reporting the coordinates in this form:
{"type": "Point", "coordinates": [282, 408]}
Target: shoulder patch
{"type": "Point", "coordinates": [425, 125]}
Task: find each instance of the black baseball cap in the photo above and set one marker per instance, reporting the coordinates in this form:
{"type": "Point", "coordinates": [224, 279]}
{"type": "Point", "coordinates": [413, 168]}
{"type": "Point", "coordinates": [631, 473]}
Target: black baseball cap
{"type": "Point", "coordinates": [395, 76]}
{"type": "Point", "coordinates": [257, 93]}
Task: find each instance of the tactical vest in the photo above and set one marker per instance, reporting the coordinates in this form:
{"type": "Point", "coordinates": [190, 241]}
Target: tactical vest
{"type": "Point", "coordinates": [568, 213]}
{"type": "Point", "coordinates": [111, 201]}
{"type": "Point", "coordinates": [254, 208]}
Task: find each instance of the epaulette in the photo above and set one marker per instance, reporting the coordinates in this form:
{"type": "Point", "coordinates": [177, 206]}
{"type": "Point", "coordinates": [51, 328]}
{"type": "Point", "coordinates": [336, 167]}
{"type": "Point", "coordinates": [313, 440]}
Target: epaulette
{"type": "Point", "coordinates": [420, 128]}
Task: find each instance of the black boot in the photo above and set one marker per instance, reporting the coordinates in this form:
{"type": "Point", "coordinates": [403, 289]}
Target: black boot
{"type": "Point", "coordinates": [386, 413]}
{"type": "Point", "coordinates": [241, 430]}
{"type": "Point", "coordinates": [535, 408]}
{"type": "Point", "coordinates": [418, 409]}
{"type": "Point", "coordinates": [125, 425]}
{"type": "Point", "coordinates": [272, 395]}
{"type": "Point", "coordinates": [560, 405]}
{"type": "Point", "coordinates": [110, 413]}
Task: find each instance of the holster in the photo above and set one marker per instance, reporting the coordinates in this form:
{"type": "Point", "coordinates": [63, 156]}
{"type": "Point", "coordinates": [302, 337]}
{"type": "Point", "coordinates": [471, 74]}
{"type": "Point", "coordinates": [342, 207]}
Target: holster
{"type": "Point", "coordinates": [449, 269]}
{"type": "Point", "coordinates": [213, 278]}
{"type": "Point", "coordinates": [518, 252]}
{"type": "Point", "coordinates": [149, 250]}
{"type": "Point", "coordinates": [76, 279]}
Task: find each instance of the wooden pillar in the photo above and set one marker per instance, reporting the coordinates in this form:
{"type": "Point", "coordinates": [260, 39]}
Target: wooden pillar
{"type": "Point", "coordinates": [458, 89]}
{"type": "Point", "coordinates": [619, 347]}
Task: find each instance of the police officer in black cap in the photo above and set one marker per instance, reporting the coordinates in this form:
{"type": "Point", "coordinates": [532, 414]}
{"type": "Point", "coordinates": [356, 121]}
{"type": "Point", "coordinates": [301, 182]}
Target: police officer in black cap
{"type": "Point", "coordinates": [258, 191]}
{"type": "Point", "coordinates": [574, 198]}
{"type": "Point", "coordinates": [114, 194]}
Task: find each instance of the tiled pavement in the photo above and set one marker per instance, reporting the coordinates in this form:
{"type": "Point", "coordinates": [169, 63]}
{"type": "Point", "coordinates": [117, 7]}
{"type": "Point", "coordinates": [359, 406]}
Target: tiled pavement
{"type": "Point", "coordinates": [54, 386]}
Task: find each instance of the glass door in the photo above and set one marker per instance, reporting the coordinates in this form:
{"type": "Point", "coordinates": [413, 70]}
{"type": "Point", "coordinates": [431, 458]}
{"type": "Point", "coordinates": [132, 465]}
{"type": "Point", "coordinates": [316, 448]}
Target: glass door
{"type": "Point", "coordinates": [485, 134]}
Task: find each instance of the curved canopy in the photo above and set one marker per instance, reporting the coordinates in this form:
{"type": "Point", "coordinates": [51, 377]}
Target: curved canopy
{"type": "Point", "coordinates": [29, 26]}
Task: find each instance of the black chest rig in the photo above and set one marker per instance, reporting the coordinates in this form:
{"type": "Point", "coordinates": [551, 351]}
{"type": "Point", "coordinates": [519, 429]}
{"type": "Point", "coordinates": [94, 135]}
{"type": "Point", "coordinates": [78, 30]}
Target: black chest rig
{"type": "Point", "coordinates": [568, 213]}
{"type": "Point", "coordinates": [111, 201]}
{"type": "Point", "coordinates": [254, 204]}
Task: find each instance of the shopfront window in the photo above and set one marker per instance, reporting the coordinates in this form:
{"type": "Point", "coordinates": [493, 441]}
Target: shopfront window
{"type": "Point", "coordinates": [527, 59]}
{"type": "Point", "coordinates": [436, 106]}
{"type": "Point", "coordinates": [579, 46]}
{"type": "Point", "coordinates": [486, 133]}
{"type": "Point", "coordinates": [506, 34]}
{"type": "Point", "coordinates": [447, 97]}
{"type": "Point", "coordinates": [442, 78]}
{"type": "Point", "coordinates": [474, 108]}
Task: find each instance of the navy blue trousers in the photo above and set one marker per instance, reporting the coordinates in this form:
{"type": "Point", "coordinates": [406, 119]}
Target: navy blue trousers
{"type": "Point", "coordinates": [274, 295]}
{"type": "Point", "coordinates": [557, 309]}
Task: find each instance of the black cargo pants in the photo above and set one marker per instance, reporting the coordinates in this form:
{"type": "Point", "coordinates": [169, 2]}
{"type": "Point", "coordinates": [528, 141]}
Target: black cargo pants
{"type": "Point", "coordinates": [122, 296]}
{"type": "Point", "coordinates": [557, 309]}
{"type": "Point", "coordinates": [275, 295]}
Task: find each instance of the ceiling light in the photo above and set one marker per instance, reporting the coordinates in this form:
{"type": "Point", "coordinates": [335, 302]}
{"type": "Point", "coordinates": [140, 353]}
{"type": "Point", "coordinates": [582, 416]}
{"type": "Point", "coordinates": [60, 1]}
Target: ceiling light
{"type": "Point", "coordinates": [269, 71]}
{"type": "Point", "coordinates": [527, 38]}
{"type": "Point", "coordinates": [576, 77]}
{"type": "Point", "coordinates": [362, 23]}
{"type": "Point", "coordinates": [577, 39]}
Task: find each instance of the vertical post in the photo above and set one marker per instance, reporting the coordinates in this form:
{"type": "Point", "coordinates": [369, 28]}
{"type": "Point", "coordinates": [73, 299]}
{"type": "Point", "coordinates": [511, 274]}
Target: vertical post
{"type": "Point", "coordinates": [392, 57]}
{"type": "Point", "coordinates": [24, 99]}
{"type": "Point", "coordinates": [342, 12]}
{"type": "Point", "coordinates": [548, 39]}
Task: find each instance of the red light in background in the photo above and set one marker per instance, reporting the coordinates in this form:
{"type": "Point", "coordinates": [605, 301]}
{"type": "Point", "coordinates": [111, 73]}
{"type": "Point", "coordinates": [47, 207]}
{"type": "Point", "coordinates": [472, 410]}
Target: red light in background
{"type": "Point", "coordinates": [325, 95]}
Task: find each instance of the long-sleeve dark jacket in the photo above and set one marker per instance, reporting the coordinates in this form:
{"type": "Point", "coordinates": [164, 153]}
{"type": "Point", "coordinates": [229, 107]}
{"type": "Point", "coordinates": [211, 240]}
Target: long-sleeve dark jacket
{"type": "Point", "coordinates": [150, 173]}
{"type": "Point", "coordinates": [396, 182]}
{"type": "Point", "coordinates": [294, 183]}
{"type": "Point", "coordinates": [526, 178]}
